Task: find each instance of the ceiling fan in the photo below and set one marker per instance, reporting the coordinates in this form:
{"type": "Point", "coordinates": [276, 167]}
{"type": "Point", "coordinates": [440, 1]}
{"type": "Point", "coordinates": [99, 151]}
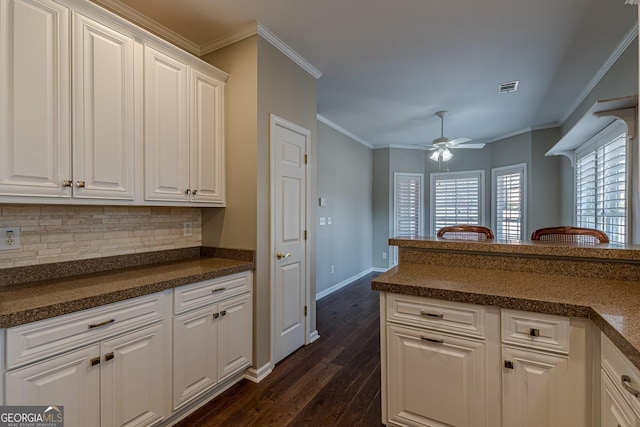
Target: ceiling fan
{"type": "Point", "coordinates": [442, 146]}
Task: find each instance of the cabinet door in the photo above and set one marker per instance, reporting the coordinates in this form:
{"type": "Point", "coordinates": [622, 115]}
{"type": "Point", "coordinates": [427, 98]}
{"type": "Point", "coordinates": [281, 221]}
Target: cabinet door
{"type": "Point", "coordinates": [207, 175]}
{"type": "Point", "coordinates": [104, 103]}
{"type": "Point", "coordinates": [35, 143]}
{"type": "Point", "coordinates": [234, 335]}
{"type": "Point", "coordinates": [71, 380]}
{"type": "Point", "coordinates": [136, 377]}
{"type": "Point", "coordinates": [194, 354]}
{"type": "Point", "coordinates": [616, 412]}
{"type": "Point", "coordinates": [535, 391]}
{"type": "Point", "coordinates": [435, 379]}
{"type": "Point", "coordinates": [166, 133]}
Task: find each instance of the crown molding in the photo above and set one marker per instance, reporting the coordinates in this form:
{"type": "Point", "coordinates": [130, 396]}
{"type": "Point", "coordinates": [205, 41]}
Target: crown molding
{"type": "Point", "coordinates": [284, 48]}
{"type": "Point", "coordinates": [242, 33]}
{"type": "Point", "coordinates": [624, 44]}
{"type": "Point", "coordinates": [343, 131]}
{"type": "Point", "coordinates": [408, 147]}
{"type": "Point", "coordinates": [150, 25]}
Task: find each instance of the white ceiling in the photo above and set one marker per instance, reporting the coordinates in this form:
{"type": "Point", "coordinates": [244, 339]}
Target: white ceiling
{"type": "Point", "coordinates": [388, 66]}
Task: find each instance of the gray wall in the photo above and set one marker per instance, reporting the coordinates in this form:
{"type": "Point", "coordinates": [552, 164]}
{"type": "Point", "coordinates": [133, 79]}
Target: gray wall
{"type": "Point", "coordinates": [545, 178]}
{"type": "Point", "coordinates": [621, 80]}
{"type": "Point", "coordinates": [345, 180]}
{"type": "Point", "coordinates": [262, 81]}
{"type": "Point", "coordinates": [381, 210]}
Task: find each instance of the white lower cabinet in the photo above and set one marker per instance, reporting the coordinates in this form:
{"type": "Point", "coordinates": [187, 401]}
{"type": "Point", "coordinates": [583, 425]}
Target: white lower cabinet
{"type": "Point", "coordinates": [535, 389]}
{"type": "Point", "coordinates": [620, 388]}
{"type": "Point", "coordinates": [452, 364]}
{"type": "Point", "coordinates": [213, 342]}
{"type": "Point", "coordinates": [116, 372]}
{"type": "Point", "coordinates": [435, 379]}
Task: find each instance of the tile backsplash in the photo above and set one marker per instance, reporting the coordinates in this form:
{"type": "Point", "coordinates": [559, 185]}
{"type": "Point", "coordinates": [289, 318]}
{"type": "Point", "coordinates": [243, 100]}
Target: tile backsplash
{"type": "Point", "coordinates": [52, 233]}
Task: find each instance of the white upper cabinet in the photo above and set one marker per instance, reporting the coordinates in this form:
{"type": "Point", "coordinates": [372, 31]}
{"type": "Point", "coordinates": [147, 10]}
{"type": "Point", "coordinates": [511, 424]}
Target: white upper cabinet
{"type": "Point", "coordinates": [166, 131]}
{"type": "Point", "coordinates": [140, 123]}
{"type": "Point", "coordinates": [184, 130]}
{"type": "Point", "coordinates": [35, 99]}
{"type": "Point", "coordinates": [104, 111]}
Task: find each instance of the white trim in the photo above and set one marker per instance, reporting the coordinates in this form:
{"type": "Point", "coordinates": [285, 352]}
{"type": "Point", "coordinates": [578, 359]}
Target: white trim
{"type": "Point", "coordinates": [343, 131]}
{"type": "Point", "coordinates": [494, 172]}
{"type": "Point", "coordinates": [629, 37]}
{"type": "Point", "coordinates": [257, 375]}
{"type": "Point", "coordinates": [150, 25]}
{"type": "Point", "coordinates": [379, 270]}
{"type": "Point", "coordinates": [275, 120]}
{"type": "Point", "coordinates": [342, 284]}
{"type": "Point", "coordinates": [314, 336]}
{"type": "Point", "coordinates": [284, 48]}
{"type": "Point", "coordinates": [240, 34]}
{"type": "Point", "coordinates": [409, 147]}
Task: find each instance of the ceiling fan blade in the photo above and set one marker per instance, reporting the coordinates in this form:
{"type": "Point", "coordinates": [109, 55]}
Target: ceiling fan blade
{"type": "Point", "coordinates": [476, 146]}
{"type": "Point", "coordinates": [457, 141]}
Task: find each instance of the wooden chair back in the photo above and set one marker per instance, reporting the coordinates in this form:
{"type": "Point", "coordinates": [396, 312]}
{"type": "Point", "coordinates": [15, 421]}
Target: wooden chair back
{"type": "Point", "coordinates": [569, 234]}
{"type": "Point", "coordinates": [465, 232]}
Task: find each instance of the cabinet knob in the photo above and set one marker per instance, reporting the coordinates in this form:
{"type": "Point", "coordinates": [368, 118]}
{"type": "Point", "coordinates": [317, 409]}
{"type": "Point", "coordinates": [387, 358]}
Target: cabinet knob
{"type": "Point", "coordinates": [534, 332]}
{"type": "Point", "coordinates": [109, 356]}
{"type": "Point", "coordinates": [67, 183]}
{"type": "Point", "coordinates": [95, 361]}
{"type": "Point", "coordinates": [508, 364]}
{"type": "Point", "coordinates": [79, 184]}
{"type": "Point", "coordinates": [187, 191]}
{"type": "Point", "coordinates": [223, 313]}
{"type": "Point", "coordinates": [195, 192]}
{"type": "Point", "coordinates": [216, 315]}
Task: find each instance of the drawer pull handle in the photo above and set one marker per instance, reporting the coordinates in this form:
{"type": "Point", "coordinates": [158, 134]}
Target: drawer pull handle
{"type": "Point", "coordinates": [67, 183]}
{"type": "Point", "coordinates": [626, 380]}
{"type": "Point", "coordinates": [508, 364]}
{"type": "Point", "coordinates": [437, 316]}
{"type": "Point", "coordinates": [95, 361]}
{"type": "Point", "coordinates": [109, 356]}
{"type": "Point", "coordinates": [433, 340]}
{"type": "Point", "coordinates": [80, 184]}
{"type": "Point", "coordinates": [97, 325]}
{"type": "Point", "coordinates": [534, 332]}
{"type": "Point", "coordinates": [216, 315]}
{"type": "Point", "coordinates": [213, 291]}
{"type": "Point", "coordinates": [223, 313]}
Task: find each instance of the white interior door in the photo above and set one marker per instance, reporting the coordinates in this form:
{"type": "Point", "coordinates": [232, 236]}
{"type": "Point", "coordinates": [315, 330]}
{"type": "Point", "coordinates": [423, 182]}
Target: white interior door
{"type": "Point", "coordinates": [289, 149]}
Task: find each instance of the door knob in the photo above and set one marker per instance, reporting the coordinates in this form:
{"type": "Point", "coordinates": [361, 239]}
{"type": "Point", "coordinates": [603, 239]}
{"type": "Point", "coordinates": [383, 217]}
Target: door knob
{"type": "Point", "coordinates": [280, 255]}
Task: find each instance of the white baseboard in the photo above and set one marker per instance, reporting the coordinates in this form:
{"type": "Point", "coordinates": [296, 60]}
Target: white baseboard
{"type": "Point", "coordinates": [257, 375]}
{"type": "Point", "coordinates": [379, 270]}
{"type": "Point", "coordinates": [344, 283]}
{"type": "Point", "coordinates": [313, 336]}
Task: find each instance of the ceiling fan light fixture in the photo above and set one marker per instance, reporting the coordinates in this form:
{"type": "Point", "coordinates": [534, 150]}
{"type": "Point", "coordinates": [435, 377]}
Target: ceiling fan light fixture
{"type": "Point", "coordinates": [435, 155]}
{"type": "Point", "coordinates": [446, 155]}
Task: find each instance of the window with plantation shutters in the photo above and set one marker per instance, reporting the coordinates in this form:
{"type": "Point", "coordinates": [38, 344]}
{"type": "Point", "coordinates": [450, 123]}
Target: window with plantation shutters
{"type": "Point", "coordinates": [601, 183]}
{"type": "Point", "coordinates": [508, 202]}
{"type": "Point", "coordinates": [456, 198]}
{"type": "Point", "coordinates": [408, 206]}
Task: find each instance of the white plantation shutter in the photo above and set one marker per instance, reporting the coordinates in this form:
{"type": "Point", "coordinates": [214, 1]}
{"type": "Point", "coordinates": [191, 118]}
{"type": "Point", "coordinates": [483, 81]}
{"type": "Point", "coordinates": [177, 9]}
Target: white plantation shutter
{"type": "Point", "coordinates": [456, 198]}
{"type": "Point", "coordinates": [509, 202]}
{"type": "Point", "coordinates": [601, 184]}
{"type": "Point", "coordinates": [408, 216]}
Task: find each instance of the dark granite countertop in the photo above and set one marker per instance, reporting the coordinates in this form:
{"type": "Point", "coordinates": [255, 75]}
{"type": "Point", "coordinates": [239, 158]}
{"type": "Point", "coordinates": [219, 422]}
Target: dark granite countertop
{"type": "Point", "coordinates": [613, 305]}
{"type": "Point", "coordinates": [28, 302]}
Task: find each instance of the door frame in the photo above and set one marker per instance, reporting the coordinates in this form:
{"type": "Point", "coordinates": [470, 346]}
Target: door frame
{"type": "Point", "coordinates": [273, 122]}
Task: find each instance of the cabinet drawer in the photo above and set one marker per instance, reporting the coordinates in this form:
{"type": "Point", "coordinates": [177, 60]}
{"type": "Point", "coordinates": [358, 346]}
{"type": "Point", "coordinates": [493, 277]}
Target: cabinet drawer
{"type": "Point", "coordinates": [536, 330]}
{"type": "Point", "coordinates": [446, 316]}
{"type": "Point", "coordinates": [32, 341]}
{"type": "Point", "coordinates": [616, 365]}
{"type": "Point", "coordinates": [208, 291]}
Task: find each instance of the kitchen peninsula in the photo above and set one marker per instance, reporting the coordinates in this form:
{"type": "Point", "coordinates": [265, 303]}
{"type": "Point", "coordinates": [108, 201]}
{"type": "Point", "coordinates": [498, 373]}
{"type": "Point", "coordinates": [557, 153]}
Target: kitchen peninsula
{"type": "Point", "coordinates": [504, 328]}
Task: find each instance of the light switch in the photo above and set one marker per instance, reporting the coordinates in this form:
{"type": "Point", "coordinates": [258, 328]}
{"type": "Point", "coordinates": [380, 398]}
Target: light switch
{"type": "Point", "coordinates": [323, 221]}
{"type": "Point", "coordinates": [328, 220]}
{"type": "Point", "coordinates": [323, 202]}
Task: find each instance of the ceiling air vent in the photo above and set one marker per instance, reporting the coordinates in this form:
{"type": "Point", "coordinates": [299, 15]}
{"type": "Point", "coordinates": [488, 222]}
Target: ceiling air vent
{"type": "Point", "coordinates": [631, 2]}
{"type": "Point", "coordinates": [508, 87]}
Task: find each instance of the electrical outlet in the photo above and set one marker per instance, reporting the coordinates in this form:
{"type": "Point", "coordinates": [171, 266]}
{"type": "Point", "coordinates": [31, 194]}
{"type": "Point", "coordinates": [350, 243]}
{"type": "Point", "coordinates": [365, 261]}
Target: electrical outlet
{"type": "Point", "coordinates": [9, 239]}
{"type": "Point", "coordinates": [187, 229]}
{"type": "Point", "coordinates": [384, 255]}
{"type": "Point", "coordinates": [333, 268]}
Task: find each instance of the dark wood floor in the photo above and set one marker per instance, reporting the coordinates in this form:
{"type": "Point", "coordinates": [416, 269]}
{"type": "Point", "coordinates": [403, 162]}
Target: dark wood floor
{"type": "Point", "coordinates": [333, 382]}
